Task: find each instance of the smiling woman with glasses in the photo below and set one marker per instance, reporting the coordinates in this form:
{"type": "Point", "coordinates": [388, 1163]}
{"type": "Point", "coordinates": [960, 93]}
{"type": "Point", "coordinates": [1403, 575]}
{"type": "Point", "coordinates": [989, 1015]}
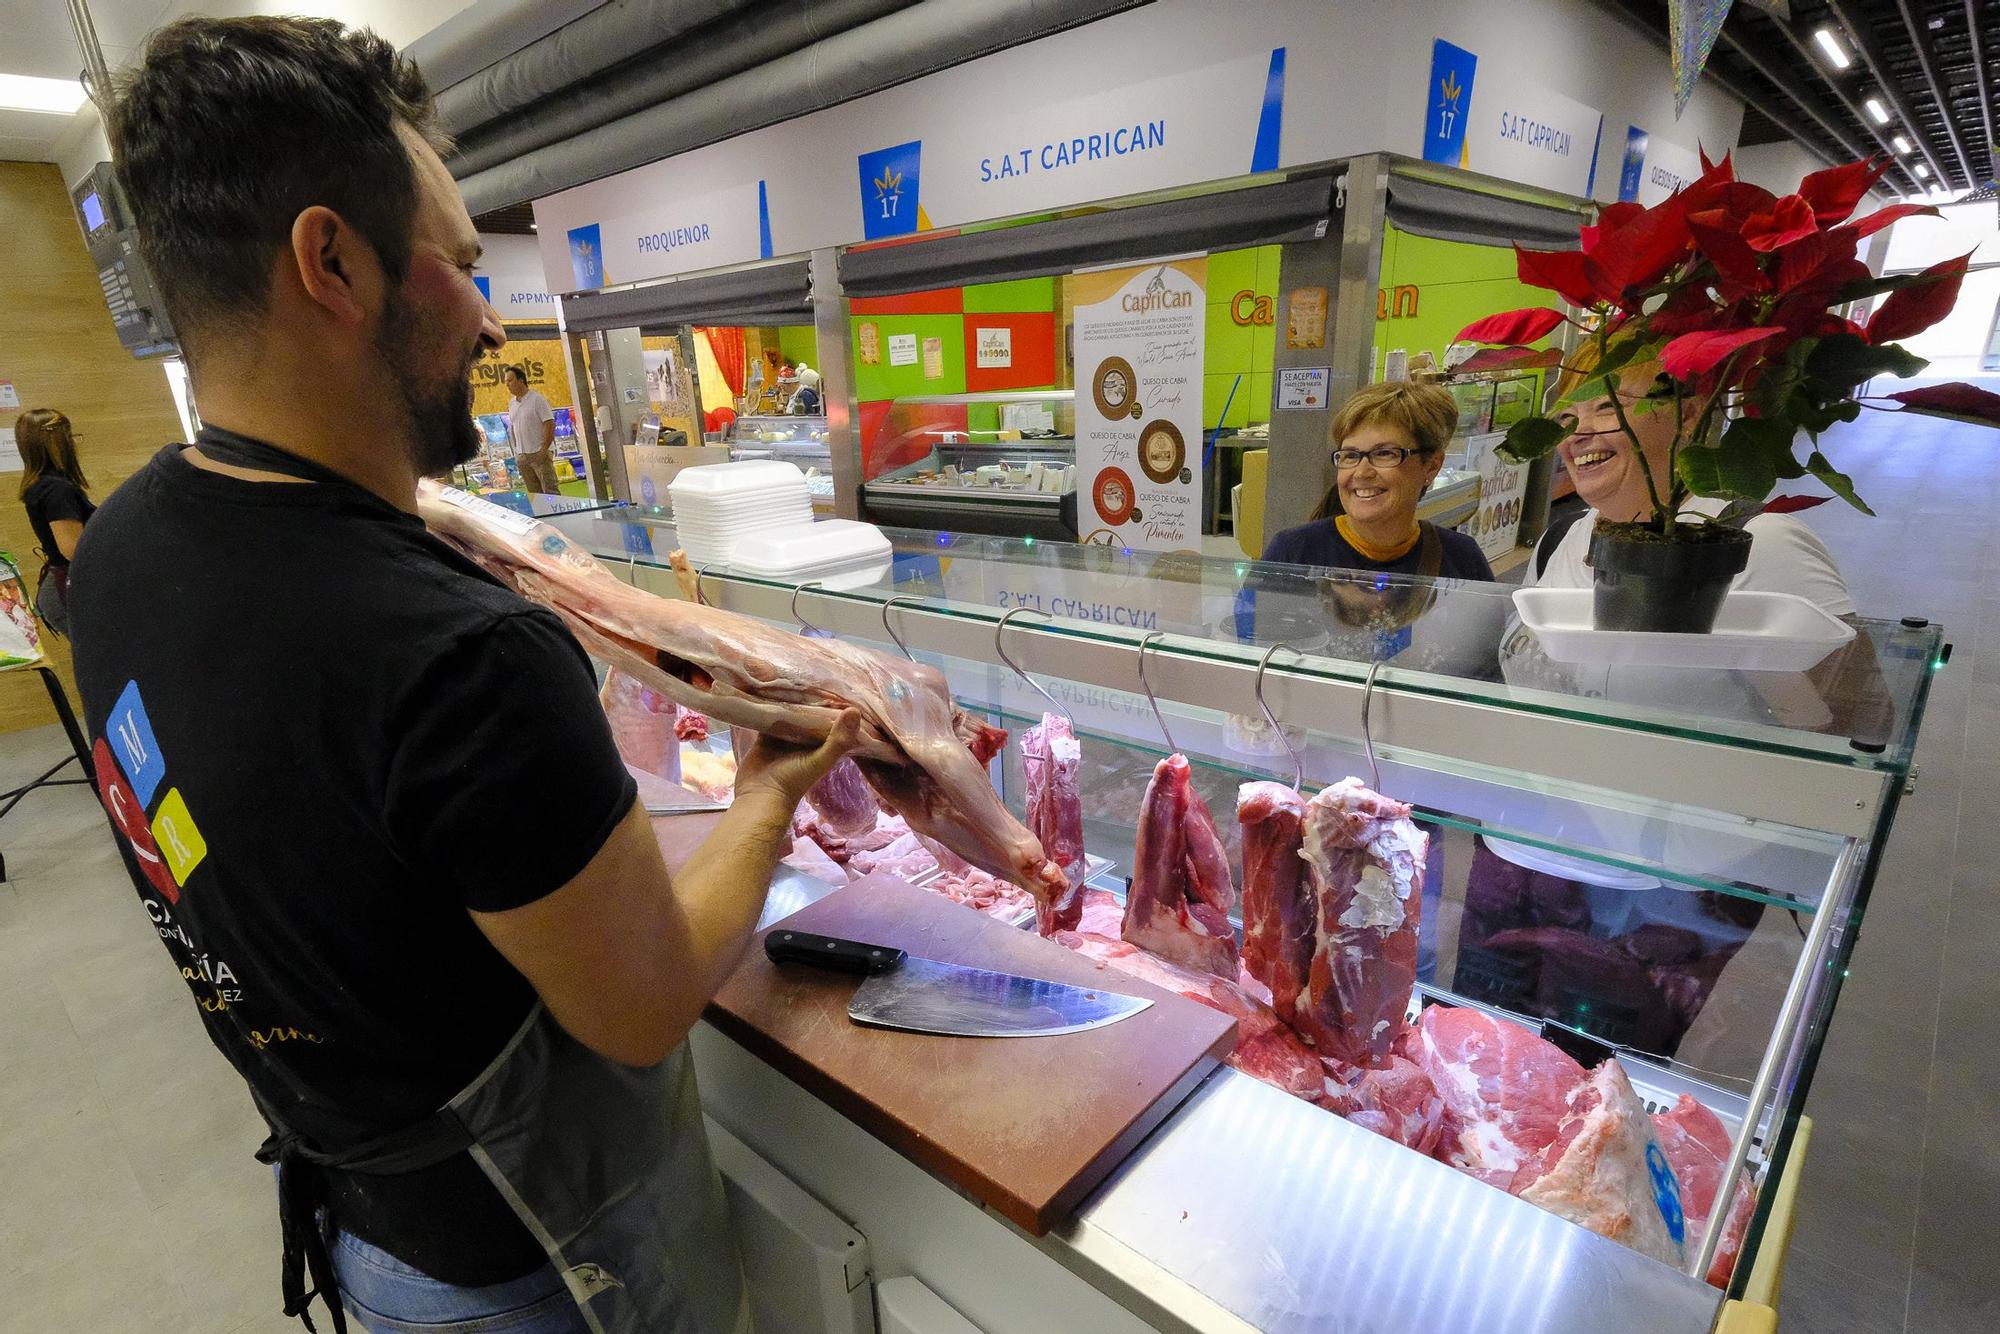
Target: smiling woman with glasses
{"type": "Point", "coordinates": [1389, 442]}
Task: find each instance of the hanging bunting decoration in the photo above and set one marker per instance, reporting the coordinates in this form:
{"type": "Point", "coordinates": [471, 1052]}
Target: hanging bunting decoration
{"type": "Point", "coordinates": [1693, 26]}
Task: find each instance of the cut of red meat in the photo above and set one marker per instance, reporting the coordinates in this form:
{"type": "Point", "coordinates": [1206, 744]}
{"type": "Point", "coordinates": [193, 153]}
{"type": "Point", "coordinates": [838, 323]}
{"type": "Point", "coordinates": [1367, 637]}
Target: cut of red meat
{"type": "Point", "coordinates": [843, 801]}
{"type": "Point", "coordinates": [1365, 872]}
{"type": "Point", "coordinates": [1277, 915]}
{"type": "Point", "coordinates": [1505, 1090]}
{"type": "Point", "coordinates": [1050, 756]}
{"type": "Point", "coordinates": [1697, 1145]}
{"type": "Point", "coordinates": [1181, 892]}
{"type": "Point", "coordinates": [1604, 1171]}
{"type": "Point", "coordinates": [691, 726]}
{"type": "Point", "coordinates": [1398, 1102]}
{"type": "Point", "coordinates": [1521, 1115]}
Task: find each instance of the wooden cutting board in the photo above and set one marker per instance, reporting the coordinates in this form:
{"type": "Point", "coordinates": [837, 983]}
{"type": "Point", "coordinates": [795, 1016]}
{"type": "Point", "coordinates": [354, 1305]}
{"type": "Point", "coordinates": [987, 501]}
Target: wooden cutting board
{"type": "Point", "coordinates": [1027, 1126]}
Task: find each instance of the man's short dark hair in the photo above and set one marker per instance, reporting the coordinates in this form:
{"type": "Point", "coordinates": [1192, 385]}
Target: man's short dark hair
{"type": "Point", "coordinates": [230, 128]}
{"type": "Point", "coordinates": [514, 370]}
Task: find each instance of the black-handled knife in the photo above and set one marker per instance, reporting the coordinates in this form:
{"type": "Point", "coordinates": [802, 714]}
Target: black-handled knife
{"type": "Point", "coordinates": [919, 995]}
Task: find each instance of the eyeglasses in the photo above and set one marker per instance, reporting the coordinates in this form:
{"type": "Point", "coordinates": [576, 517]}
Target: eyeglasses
{"type": "Point", "coordinates": [1382, 456]}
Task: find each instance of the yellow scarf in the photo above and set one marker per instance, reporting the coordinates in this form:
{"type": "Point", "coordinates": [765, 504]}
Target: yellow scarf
{"type": "Point", "coordinates": [1368, 550]}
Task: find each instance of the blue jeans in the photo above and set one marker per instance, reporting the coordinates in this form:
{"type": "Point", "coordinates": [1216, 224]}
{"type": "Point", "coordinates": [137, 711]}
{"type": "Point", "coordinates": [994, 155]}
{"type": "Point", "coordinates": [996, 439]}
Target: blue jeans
{"type": "Point", "coordinates": [390, 1297]}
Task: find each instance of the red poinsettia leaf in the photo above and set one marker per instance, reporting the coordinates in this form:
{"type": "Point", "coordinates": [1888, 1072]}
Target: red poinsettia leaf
{"type": "Point", "coordinates": [1560, 271]}
{"type": "Point", "coordinates": [1913, 309]}
{"type": "Point", "coordinates": [1716, 237]}
{"type": "Point", "coordinates": [1882, 217]}
{"type": "Point", "coordinates": [1793, 504]}
{"type": "Point", "coordinates": [1814, 259]}
{"type": "Point", "coordinates": [1609, 219]}
{"type": "Point", "coordinates": [1952, 400]}
{"type": "Point", "coordinates": [1833, 193]}
{"type": "Point", "coordinates": [1515, 326]}
{"type": "Point", "coordinates": [1510, 359]}
{"type": "Point", "coordinates": [1649, 243]}
{"type": "Point", "coordinates": [1789, 220]}
{"type": "Point", "coordinates": [1737, 200]}
{"type": "Point", "coordinates": [1719, 171]}
{"type": "Point", "coordinates": [1694, 354]}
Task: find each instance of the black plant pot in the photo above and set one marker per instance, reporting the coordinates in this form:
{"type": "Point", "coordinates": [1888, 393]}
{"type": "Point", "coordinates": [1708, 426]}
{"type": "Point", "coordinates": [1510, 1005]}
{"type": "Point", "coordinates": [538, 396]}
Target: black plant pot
{"type": "Point", "coordinates": [1649, 582]}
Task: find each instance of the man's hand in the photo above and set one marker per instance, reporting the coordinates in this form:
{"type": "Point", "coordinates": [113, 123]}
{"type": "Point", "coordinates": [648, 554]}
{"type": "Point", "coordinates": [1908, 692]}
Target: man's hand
{"type": "Point", "coordinates": [788, 771]}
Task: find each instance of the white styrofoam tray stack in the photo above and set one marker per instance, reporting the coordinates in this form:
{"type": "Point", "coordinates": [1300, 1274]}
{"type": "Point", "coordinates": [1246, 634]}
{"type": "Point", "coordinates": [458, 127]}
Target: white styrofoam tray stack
{"type": "Point", "coordinates": [1754, 632]}
{"type": "Point", "coordinates": [717, 505]}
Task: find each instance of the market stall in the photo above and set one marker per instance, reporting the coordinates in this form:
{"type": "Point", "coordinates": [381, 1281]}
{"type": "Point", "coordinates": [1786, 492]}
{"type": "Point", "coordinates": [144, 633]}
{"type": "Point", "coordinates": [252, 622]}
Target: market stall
{"type": "Point", "coordinates": [1721, 828]}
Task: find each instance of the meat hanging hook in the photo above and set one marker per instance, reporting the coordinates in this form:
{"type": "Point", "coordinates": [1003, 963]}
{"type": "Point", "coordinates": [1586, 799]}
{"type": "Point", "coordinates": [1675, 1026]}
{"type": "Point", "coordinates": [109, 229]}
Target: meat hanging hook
{"type": "Point", "coordinates": [1039, 688]}
{"type": "Point", "coordinates": [700, 598]}
{"type": "Point", "coordinates": [1147, 686]}
{"type": "Point", "coordinates": [890, 630]}
{"type": "Point", "coordinates": [1367, 735]}
{"type": "Point", "coordinates": [806, 627]}
{"type": "Point", "coordinates": [1298, 765]}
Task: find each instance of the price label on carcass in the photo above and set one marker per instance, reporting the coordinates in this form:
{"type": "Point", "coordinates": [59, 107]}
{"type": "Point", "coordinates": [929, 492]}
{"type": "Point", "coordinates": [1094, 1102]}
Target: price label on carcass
{"type": "Point", "coordinates": [512, 521]}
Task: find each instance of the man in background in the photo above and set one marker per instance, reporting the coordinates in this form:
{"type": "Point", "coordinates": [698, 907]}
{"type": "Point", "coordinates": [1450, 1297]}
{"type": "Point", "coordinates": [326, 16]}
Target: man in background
{"type": "Point", "coordinates": [531, 424]}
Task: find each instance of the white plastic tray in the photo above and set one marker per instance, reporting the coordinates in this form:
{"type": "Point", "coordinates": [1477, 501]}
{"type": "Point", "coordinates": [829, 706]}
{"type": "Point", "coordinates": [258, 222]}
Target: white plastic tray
{"type": "Point", "coordinates": [804, 548]}
{"type": "Point", "coordinates": [747, 476]}
{"type": "Point", "coordinates": [1754, 632]}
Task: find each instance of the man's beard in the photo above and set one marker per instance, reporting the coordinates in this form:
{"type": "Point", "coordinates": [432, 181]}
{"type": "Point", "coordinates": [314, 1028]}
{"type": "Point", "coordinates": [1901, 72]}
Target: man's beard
{"type": "Point", "coordinates": [441, 431]}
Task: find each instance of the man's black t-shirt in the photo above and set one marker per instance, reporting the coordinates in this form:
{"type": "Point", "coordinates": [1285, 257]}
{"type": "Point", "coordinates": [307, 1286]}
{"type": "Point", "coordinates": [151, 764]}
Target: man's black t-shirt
{"type": "Point", "coordinates": [54, 497]}
{"type": "Point", "coordinates": [328, 736]}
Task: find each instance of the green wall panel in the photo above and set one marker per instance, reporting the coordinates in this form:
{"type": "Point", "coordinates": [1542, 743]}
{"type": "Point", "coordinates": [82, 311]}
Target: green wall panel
{"type": "Point", "coordinates": [1026, 294]}
{"type": "Point", "coordinates": [799, 342]}
{"type": "Point", "coordinates": [886, 381]}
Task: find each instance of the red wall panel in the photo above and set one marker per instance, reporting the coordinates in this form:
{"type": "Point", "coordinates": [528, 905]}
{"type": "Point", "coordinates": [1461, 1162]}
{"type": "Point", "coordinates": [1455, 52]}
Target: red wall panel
{"type": "Point", "coordinates": [1034, 352]}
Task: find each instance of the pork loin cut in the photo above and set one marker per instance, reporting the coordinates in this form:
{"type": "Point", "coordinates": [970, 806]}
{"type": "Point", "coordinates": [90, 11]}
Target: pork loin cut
{"type": "Point", "coordinates": [1278, 914]}
{"type": "Point", "coordinates": [1364, 864]}
{"type": "Point", "coordinates": [1178, 906]}
{"type": "Point", "coordinates": [1050, 757]}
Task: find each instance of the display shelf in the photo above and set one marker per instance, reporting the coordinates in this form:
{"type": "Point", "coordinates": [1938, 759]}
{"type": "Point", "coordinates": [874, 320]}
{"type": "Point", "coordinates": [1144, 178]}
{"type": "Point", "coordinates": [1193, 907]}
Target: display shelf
{"type": "Point", "coordinates": [1757, 801]}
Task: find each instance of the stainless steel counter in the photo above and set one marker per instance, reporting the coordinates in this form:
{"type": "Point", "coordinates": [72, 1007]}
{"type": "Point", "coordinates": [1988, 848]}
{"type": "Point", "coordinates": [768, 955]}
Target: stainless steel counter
{"type": "Point", "coordinates": [1246, 1209]}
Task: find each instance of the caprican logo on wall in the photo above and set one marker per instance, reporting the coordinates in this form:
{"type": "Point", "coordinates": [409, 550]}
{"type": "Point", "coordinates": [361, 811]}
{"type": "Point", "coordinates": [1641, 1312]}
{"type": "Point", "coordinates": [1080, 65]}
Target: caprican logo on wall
{"type": "Point", "coordinates": [890, 181]}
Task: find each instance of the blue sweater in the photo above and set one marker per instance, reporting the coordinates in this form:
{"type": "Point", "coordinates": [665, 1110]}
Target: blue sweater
{"type": "Point", "coordinates": [1320, 543]}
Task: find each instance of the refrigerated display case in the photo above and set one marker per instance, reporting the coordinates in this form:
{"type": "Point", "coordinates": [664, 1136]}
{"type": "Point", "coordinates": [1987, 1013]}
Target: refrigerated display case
{"type": "Point", "coordinates": [1718, 833]}
{"type": "Point", "coordinates": [800, 440]}
{"type": "Point", "coordinates": [998, 462]}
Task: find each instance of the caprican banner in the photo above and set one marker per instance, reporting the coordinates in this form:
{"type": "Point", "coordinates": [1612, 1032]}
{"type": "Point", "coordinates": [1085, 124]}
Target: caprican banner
{"type": "Point", "coordinates": [1139, 349]}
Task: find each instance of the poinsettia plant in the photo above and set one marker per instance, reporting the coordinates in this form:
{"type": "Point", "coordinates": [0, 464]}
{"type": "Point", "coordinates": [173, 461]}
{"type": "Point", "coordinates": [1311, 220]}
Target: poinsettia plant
{"type": "Point", "coordinates": [1735, 293]}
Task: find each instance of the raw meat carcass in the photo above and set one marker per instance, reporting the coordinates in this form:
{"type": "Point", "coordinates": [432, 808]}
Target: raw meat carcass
{"type": "Point", "coordinates": [1521, 1115]}
{"type": "Point", "coordinates": [980, 892]}
{"type": "Point", "coordinates": [1697, 1146]}
{"type": "Point", "coordinates": [1365, 872]}
{"type": "Point", "coordinates": [1278, 914]}
{"type": "Point", "coordinates": [842, 799]}
{"type": "Point", "coordinates": [811, 858]}
{"type": "Point", "coordinates": [1050, 756]}
{"type": "Point", "coordinates": [643, 725]}
{"type": "Point", "coordinates": [1178, 906]}
{"type": "Point", "coordinates": [913, 747]}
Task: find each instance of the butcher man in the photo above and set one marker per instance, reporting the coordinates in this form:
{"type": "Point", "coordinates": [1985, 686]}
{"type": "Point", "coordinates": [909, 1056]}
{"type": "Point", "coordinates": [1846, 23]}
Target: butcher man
{"type": "Point", "coordinates": [318, 731]}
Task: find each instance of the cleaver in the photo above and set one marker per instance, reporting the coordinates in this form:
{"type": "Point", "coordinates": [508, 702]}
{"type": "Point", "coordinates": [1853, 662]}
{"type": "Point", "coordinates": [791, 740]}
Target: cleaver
{"type": "Point", "coordinates": [915, 995]}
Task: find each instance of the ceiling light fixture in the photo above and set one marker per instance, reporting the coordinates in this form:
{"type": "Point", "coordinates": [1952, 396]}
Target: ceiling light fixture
{"type": "Point", "coordinates": [1835, 52]}
{"type": "Point", "coordinates": [1923, 172]}
{"type": "Point", "coordinates": [1876, 111]}
{"type": "Point", "coordinates": [1899, 143]}
{"type": "Point", "coordinates": [53, 97]}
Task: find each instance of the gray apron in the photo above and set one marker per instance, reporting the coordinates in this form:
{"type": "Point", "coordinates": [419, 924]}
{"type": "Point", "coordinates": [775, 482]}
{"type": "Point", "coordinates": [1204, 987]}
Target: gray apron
{"type": "Point", "coordinates": [606, 1165]}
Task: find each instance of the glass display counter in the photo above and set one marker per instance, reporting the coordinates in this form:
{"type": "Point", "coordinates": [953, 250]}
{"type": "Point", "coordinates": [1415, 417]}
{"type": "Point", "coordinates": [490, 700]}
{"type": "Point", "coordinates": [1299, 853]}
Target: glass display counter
{"type": "Point", "coordinates": [986, 463]}
{"type": "Point", "coordinates": [1664, 864]}
{"type": "Point", "coordinates": [795, 439]}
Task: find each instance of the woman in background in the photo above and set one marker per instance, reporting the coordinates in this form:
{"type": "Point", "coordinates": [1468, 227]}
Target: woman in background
{"type": "Point", "coordinates": [56, 495]}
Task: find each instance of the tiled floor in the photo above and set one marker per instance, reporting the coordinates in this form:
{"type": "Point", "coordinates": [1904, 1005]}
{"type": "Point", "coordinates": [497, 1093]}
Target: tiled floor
{"type": "Point", "coordinates": [129, 1199]}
